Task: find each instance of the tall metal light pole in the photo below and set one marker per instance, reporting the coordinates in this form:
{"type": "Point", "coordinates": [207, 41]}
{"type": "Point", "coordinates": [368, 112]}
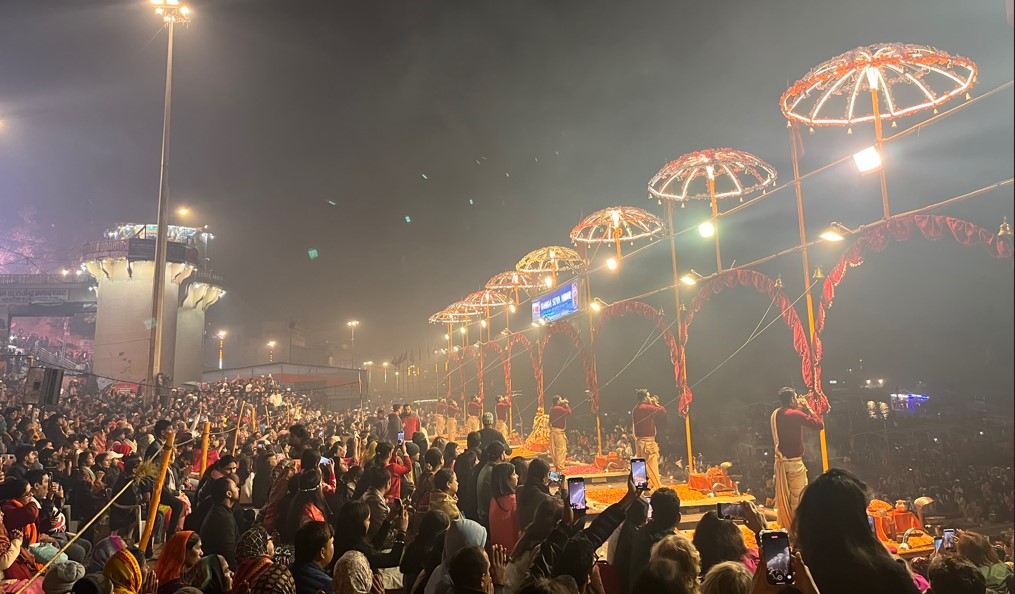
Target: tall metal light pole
{"type": "Point", "coordinates": [172, 12]}
{"type": "Point", "coordinates": [352, 329]}
{"type": "Point", "coordinates": [271, 351]}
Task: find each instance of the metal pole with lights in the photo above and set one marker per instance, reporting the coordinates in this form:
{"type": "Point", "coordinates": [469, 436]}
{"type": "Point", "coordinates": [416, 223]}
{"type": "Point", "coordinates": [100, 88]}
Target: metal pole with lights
{"type": "Point", "coordinates": [271, 351]}
{"type": "Point", "coordinates": [222, 347]}
{"type": "Point", "coordinates": [794, 140]}
{"type": "Point", "coordinates": [677, 280]}
{"type": "Point", "coordinates": [172, 12]}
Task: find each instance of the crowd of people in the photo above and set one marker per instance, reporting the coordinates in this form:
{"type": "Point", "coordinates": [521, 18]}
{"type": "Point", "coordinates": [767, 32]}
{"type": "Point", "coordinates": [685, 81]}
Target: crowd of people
{"type": "Point", "coordinates": [288, 497]}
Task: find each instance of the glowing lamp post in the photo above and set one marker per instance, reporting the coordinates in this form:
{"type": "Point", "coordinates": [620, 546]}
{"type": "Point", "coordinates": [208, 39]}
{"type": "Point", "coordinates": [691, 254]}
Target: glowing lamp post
{"type": "Point", "coordinates": [172, 12]}
{"type": "Point", "coordinates": [271, 351]}
{"type": "Point", "coordinates": [908, 78]}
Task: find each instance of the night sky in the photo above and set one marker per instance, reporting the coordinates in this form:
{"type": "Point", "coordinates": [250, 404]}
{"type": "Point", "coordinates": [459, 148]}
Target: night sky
{"type": "Point", "coordinates": [537, 112]}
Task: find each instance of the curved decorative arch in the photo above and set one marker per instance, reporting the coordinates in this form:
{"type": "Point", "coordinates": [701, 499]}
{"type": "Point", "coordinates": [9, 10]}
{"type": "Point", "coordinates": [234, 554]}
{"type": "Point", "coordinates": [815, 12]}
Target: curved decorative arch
{"type": "Point", "coordinates": [765, 285]}
{"type": "Point", "coordinates": [932, 227]}
{"type": "Point", "coordinates": [568, 330]}
{"type": "Point", "coordinates": [512, 341]}
{"type": "Point", "coordinates": [651, 314]}
{"type": "Point", "coordinates": [473, 352]}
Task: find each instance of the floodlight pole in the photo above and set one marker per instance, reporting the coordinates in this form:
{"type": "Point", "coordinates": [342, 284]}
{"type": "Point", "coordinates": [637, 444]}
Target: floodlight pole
{"type": "Point", "coordinates": [680, 329]}
{"type": "Point", "coordinates": [880, 144]}
{"type": "Point", "coordinates": [159, 283]}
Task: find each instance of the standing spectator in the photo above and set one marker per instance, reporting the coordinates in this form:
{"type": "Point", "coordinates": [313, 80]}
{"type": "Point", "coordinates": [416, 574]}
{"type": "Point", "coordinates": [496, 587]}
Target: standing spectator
{"type": "Point", "coordinates": [376, 481]}
{"type": "Point", "coordinates": [432, 526]}
{"type": "Point", "coordinates": [665, 518]}
{"type": "Point", "coordinates": [618, 550]}
{"type": "Point", "coordinates": [397, 462]}
{"type": "Point", "coordinates": [219, 532]}
{"type": "Point", "coordinates": [719, 540]}
{"type": "Point", "coordinates": [534, 491]}
{"type": "Point", "coordinates": [488, 434]}
{"type": "Point", "coordinates": [503, 511]}
{"type": "Point", "coordinates": [410, 422]}
{"type": "Point", "coordinates": [394, 424]}
{"type": "Point", "coordinates": [315, 547]}
{"type": "Point", "coordinates": [834, 538]}
{"type": "Point", "coordinates": [545, 519]}
{"type": "Point", "coordinates": [441, 417]}
{"type": "Point", "coordinates": [453, 412]}
{"type": "Point", "coordinates": [443, 496]}
{"type": "Point", "coordinates": [492, 455]}
{"type": "Point", "coordinates": [978, 550]}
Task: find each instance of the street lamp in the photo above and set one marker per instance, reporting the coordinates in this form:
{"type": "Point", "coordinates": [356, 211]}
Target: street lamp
{"type": "Point", "coordinates": [222, 346]}
{"type": "Point", "coordinates": [172, 12]}
{"type": "Point", "coordinates": [385, 366]}
{"type": "Point", "coordinates": [271, 351]}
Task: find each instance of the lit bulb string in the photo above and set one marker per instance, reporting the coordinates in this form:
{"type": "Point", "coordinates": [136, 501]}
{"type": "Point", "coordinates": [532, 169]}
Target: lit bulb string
{"type": "Point", "coordinates": [915, 128]}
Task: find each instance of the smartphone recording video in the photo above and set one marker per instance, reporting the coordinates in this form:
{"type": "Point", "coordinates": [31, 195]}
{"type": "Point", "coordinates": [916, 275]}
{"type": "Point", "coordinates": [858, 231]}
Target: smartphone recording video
{"type": "Point", "coordinates": [778, 563]}
{"type": "Point", "coordinates": [730, 511]}
{"type": "Point", "coordinates": [948, 539]}
{"type": "Point", "coordinates": [639, 473]}
{"type": "Point", "coordinates": [401, 437]}
{"type": "Point", "coordinates": [555, 477]}
{"type": "Point", "coordinates": [576, 494]}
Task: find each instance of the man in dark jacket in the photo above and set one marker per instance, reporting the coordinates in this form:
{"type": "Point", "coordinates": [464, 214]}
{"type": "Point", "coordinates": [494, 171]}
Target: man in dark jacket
{"type": "Point", "coordinates": [665, 504]}
{"type": "Point", "coordinates": [570, 551]}
{"type": "Point", "coordinates": [315, 546]}
{"type": "Point", "coordinates": [489, 435]}
{"type": "Point", "coordinates": [219, 532]}
{"type": "Point", "coordinates": [395, 425]}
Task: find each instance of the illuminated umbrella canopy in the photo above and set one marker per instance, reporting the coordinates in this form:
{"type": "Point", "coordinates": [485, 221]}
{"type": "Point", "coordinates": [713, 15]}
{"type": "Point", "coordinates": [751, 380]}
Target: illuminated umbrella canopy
{"type": "Point", "coordinates": [712, 174]}
{"type": "Point", "coordinates": [904, 78]}
{"type": "Point", "coordinates": [617, 224]}
{"type": "Point", "coordinates": [455, 313]}
{"type": "Point", "coordinates": [551, 259]}
{"type": "Point", "coordinates": [486, 298]}
{"type": "Point", "coordinates": [512, 280]}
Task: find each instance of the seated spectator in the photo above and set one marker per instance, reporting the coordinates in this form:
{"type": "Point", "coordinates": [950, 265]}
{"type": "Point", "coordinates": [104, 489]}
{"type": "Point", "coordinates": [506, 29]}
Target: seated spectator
{"type": "Point", "coordinates": [352, 575]}
{"type": "Point", "coordinates": [978, 550]}
{"type": "Point", "coordinates": [219, 531]}
{"type": "Point", "coordinates": [618, 547]}
{"type": "Point", "coordinates": [124, 571]}
{"type": "Point", "coordinates": [547, 516]}
{"type": "Point", "coordinates": [503, 512]}
{"type": "Point", "coordinates": [375, 483]}
{"type": "Point", "coordinates": [307, 505]}
{"type": "Point", "coordinates": [678, 548]}
{"type": "Point", "coordinates": [315, 547]}
{"type": "Point", "coordinates": [835, 539]}
{"type": "Point", "coordinates": [277, 579]}
{"type": "Point", "coordinates": [718, 540]}
{"type": "Point", "coordinates": [105, 549]}
{"type": "Point", "coordinates": [663, 576]}
{"type": "Point", "coordinates": [461, 534]}
{"type": "Point", "coordinates": [433, 524]}
{"type": "Point", "coordinates": [472, 572]}
{"type": "Point", "coordinates": [211, 575]}
{"type": "Point", "coordinates": [254, 552]}
{"type": "Point", "coordinates": [728, 577]}
{"type": "Point", "coordinates": [665, 518]}
{"type": "Point", "coordinates": [444, 496]}
{"type": "Point", "coordinates": [61, 577]}
{"type": "Point", "coordinates": [353, 534]}
{"type": "Point", "coordinates": [559, 585]}
{"type": "Point", "coordinates": [179, 555]}
{"type": "Point", "coordinates": [93, 583]}
{"type": "Point", "coordinates": [955, 575]}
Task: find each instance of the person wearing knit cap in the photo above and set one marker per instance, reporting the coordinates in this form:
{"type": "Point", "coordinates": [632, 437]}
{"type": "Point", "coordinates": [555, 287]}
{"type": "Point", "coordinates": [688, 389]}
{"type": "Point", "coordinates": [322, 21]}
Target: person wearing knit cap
{"type": "Point", "coordinates": [93, 583]}
{"type": "Point", "coordinates": [61, 577]}
{"type": "Point", "coordinates": [352, 574]}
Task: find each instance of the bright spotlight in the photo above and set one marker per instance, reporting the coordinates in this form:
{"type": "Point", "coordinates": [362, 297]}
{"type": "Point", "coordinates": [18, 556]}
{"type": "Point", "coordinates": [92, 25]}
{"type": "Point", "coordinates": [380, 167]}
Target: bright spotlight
{"type": "Point", "coordinates": [611, 263]}
{"type": "Point", "coordinates": [706, 229]}
{"type": "Point", "coordinates": [869, 159]}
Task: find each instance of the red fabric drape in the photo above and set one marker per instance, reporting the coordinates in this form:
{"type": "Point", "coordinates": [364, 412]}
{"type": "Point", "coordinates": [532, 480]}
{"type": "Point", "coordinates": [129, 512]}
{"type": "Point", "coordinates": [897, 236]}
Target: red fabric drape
{"type": "Point", "coordinates": [651, 314]}
{"type": "Point", "coordinates": [765, 285]}
{"type": "Point", "coordinates": [932, 227]}
{"type": "Point", "coordinates": [568, 330]}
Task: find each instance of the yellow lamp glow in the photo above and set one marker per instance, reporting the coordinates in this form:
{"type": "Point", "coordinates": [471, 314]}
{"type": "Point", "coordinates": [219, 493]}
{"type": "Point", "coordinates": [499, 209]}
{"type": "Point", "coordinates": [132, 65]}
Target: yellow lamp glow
{"type": "Point", "coordinates": [611, 263]}
{"type": "Point", "coordinates": [706, 229]}
{"type": "Point", "coordinates": [691, 278]}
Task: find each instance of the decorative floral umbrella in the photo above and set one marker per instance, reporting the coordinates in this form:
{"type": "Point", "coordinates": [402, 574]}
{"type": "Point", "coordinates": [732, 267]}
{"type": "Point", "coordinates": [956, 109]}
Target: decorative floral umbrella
{"type": "Point", "coordinates": [454, 314]}
{"type": "Point", "coordinates": [617, 224]}
{"type": "Point", "coordinates": [907, 78]}
{"type": "Point", "coordinates": [552, 259]}
{"type": "Point", "coordinates": [712, 174]}
{"type": "Point", "coordinates": [512, 280]}
{"type": "Point", "coordinates": [485, 299]}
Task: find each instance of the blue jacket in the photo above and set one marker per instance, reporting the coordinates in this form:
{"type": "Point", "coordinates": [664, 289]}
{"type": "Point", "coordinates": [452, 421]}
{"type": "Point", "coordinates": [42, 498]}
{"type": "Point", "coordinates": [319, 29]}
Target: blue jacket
{"type": "Point", "coordinates": [310, 579]}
